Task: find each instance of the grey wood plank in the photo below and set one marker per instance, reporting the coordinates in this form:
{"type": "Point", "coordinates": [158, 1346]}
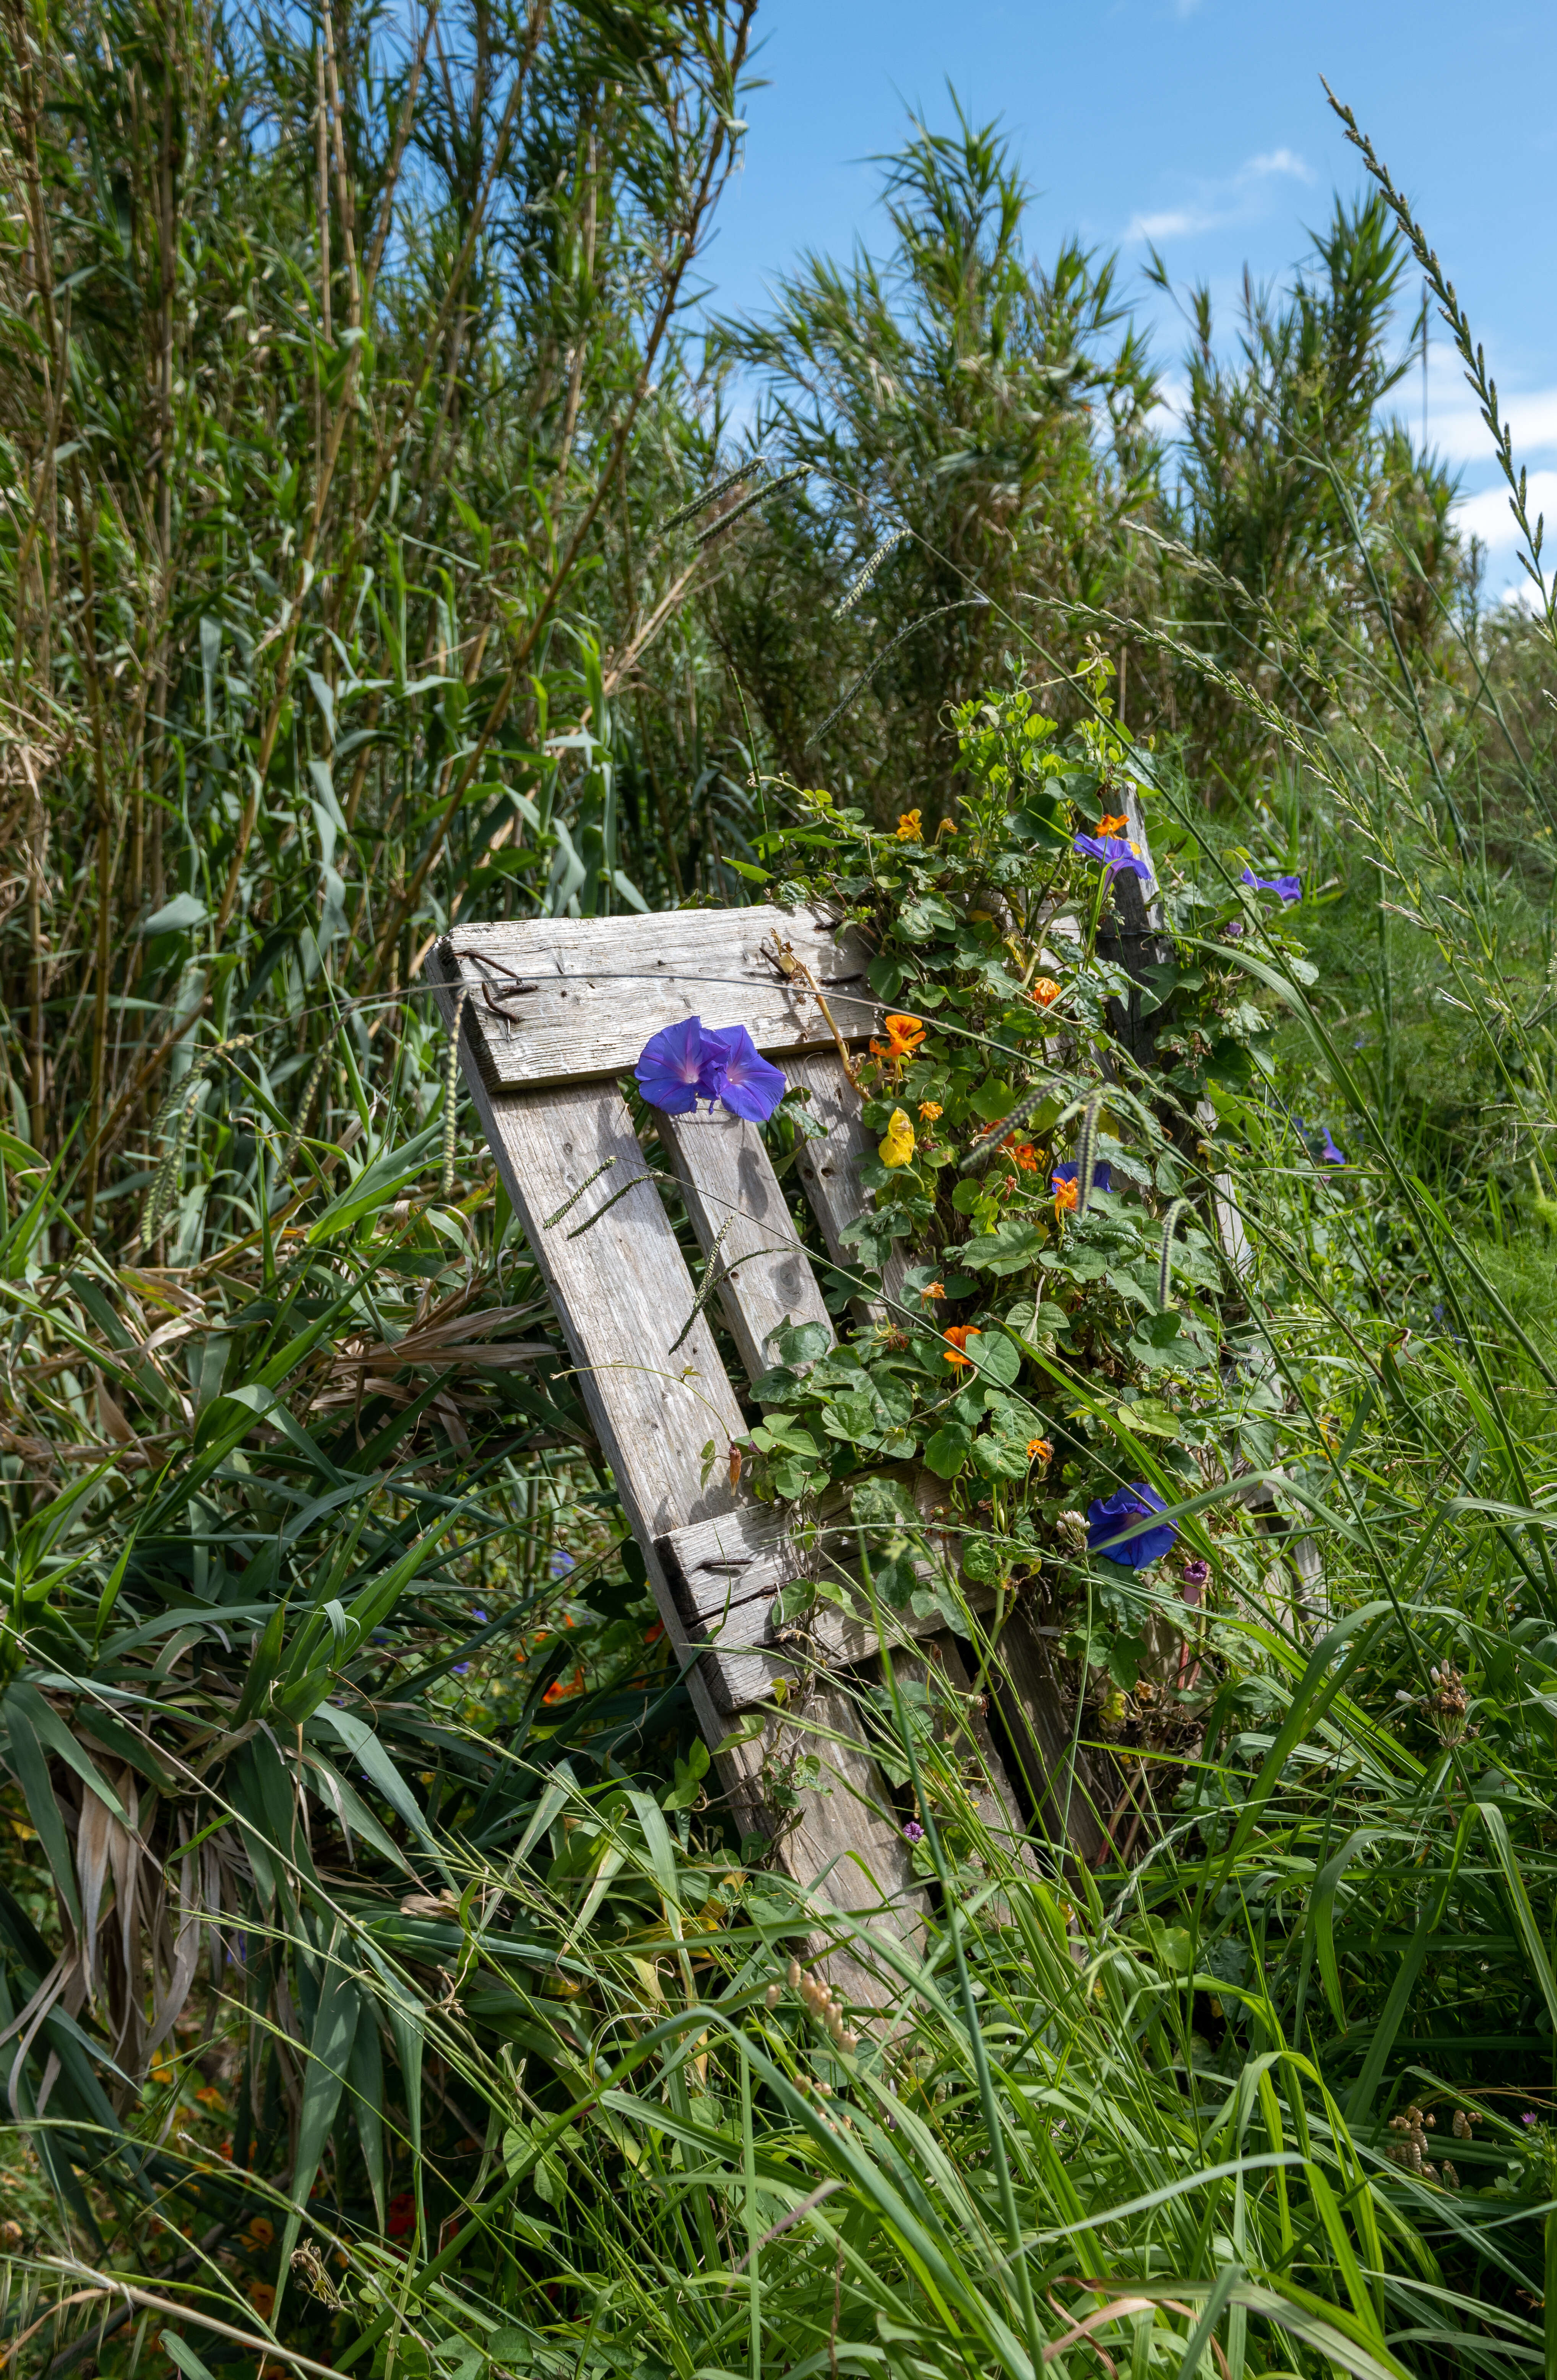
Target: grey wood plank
{"type": "Point", "coordinates": [1132, 938]}
{"type": "Point", "coordinates": [967, 1727]}
{"type": "Point", "coordinates": [726, 1572]}
{"type": "Point", "coordinates": [614, 1286]}
{"type": "Point", "coordinates": [729, 1184]}
{"type": "Point", "coordinates": [847, 1848]}
{"type": "Point", "coordinates": [1037, 1718]}
{"type": "Point", "coordinates": [595, 988]}
{"type": "Point", "coordinates": [829, 1169]}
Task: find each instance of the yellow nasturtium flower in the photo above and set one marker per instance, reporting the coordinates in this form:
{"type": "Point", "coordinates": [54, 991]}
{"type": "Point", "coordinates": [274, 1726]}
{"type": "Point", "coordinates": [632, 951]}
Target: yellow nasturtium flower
{"type": "Point", "coordinates": [898, 1143]}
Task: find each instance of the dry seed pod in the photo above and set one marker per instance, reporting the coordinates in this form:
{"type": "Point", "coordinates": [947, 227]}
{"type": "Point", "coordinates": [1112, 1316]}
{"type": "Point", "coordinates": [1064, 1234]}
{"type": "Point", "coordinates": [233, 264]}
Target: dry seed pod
{"type": "Point", "coordinates": [772, 1995]}
{"type": "Point", "coordinates": [792, 1974]}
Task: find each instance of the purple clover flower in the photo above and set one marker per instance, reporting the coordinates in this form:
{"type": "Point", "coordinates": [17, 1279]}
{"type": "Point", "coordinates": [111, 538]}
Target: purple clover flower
{"type": "Point", "coordinates": [683, 1064]}
{"type": "Point", "coordinates": [1119, 856]}
{"type": "Point", "coordinates": [1288, 889]}
{"type": "Point", "coordinates": [1108, 1530]}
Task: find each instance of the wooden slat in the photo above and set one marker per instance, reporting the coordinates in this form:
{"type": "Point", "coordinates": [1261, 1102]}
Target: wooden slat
{"type": "Point", "coordinates": [1038, 1720]}
{"type": "Point", "coordinates": [1133, 937]}
{"type": "Point", "coordinates": [597, 987]}
{"type": "Point", "coordinates": [621, 1291]}
{"type": "Point", "coordinates": [727, 1572]}
{"type": "Point", "coordinates": [729, 1184]}
{"type": "Point", "coordinates": [829, 1169]}
{"type": "Point", "coordinates": [849, 1848]}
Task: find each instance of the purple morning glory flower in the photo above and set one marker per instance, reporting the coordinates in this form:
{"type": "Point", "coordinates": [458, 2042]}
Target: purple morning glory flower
{"type": "Point", "coordinates": [1121, 859]}
{"type": "Point", "coordinates": [1109, 1531]}
{"type": "Point", "coordinates": [742, 1078]}
{"type": "Point", "coordinates": [683, 1064]}
{"type": "Point", "coordinates": [1103, 1175]}
{"type": "Point", "coordinates": [1316, 1141]}
{"type": "Point", "coordinates": [1197, 1572]}
{"type": "Point", "coordinates": [560, 1563]}
{"type": "Point", "coordinates": [673, 1067]}
{"type": "Point", "coordinates": [461, 1668]}
{"type": "Point", "coordinates": [1288, 889]}
{"type": "Point", "coordinates": [477, 1615]}
{"type": "Point", "coordinates": [913, 1831]}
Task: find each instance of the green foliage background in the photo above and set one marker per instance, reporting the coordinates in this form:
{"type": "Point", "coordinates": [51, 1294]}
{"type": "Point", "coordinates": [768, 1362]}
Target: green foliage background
{"type": "Point", "coordinates": [364, 1892]}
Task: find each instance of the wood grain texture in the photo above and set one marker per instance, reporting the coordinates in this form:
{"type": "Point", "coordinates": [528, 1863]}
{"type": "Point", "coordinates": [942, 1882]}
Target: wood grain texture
{"type": "Point", "coordinates": [726, 1572]}
{"type": "Point", "coordinates": [1132, 938]}
{"type": "Point", "coordinates": [966, 1727]}
{"type": "Point", "coordinates": [613, 1288]}
{"type": "Point", "coordinates": [596, 988]}
{"type": "Point", "coordinates": [847, 1848]}
{"type": "Point", "coordinates": [829, 1169]}
{"type": "Point", "coordinates": [1037, 1718]}
{"type": "Point", "coordinates": [621, 1290]}
{"type": "Point", "coordinates": [729, 1184]}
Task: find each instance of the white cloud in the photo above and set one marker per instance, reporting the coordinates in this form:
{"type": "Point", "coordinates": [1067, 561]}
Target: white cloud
{"type": "Point", "coordinates": [1171, 225]}
{"type": "Point", "coordinates": [1280, 161]}
{"type": "Point", "coordinates": [1231, 200]}
{"type": "Point", "coordinates": [1461, 435]}
{"type": "Point", "coordinates": [1487, 514]}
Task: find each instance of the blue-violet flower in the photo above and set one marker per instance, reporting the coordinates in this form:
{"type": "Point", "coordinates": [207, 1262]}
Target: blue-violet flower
{"type": "Point", "coordinates": [683, 1064]}
{"type": "Point", "coordinates": [1109, 1533]}
{"type": "Point", "coordinates": [1120, 858]}
{"type": "Point", "coordinates": [1288, 889]}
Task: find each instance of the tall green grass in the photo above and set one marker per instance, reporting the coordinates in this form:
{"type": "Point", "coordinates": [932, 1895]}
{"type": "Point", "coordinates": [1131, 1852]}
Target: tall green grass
{"type": "Point", "coordinates": [491, 2024]}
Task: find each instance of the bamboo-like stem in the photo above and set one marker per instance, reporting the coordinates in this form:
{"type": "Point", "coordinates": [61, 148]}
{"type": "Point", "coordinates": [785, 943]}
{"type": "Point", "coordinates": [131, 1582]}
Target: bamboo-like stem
{"type": "Point", "coordinates": [664, 315]}
{"type": "Point", "coordinates": [322, 203]}
{"type": "Point", "coordinates": [284, 666]}
{"type": "Point", "coordinates": [35, 946]}
{"type": "Point", "coordinates": [55, 374]}
{"type": "Point", "coordinates": [344, 209]}
{"type": "Point", "coordinates": [85, 531]}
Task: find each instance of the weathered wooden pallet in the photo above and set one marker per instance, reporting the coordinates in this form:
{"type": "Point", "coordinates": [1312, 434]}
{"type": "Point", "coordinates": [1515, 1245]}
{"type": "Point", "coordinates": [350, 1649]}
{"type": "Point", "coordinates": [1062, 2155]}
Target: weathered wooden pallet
{"type": "Point", "coordinates": [552, 1013]}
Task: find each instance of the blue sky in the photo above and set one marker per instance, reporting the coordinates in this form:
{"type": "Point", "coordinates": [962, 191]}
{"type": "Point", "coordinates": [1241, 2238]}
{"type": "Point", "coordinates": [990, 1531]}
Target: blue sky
{"type": "Point", "coordinates": [1198, 126]}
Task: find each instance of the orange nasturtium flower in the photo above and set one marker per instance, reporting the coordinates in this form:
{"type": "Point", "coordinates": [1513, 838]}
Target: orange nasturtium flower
{"type": "Point", "coordinates": [904, 1033]}
{"type": "Point", "coordinates": [1025, 1156]}
{"type": "Point", "coordinates": [959, 1334]}
{"type": "Point", "coordinates": [908, 827]}
{"type": "Point", "coordinates": [1066, 1196]}
{"type": "Point", "coordinates": [1040, 1450]}
{"type": "Point", "coordinates": [929, 1110]}
{"type": "Point", "coordinates": [1113, 826]}
{"type": "Point", "coordinates": [1046, 992]}
{"type": "Point", "coordinates": [934, 1290]}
